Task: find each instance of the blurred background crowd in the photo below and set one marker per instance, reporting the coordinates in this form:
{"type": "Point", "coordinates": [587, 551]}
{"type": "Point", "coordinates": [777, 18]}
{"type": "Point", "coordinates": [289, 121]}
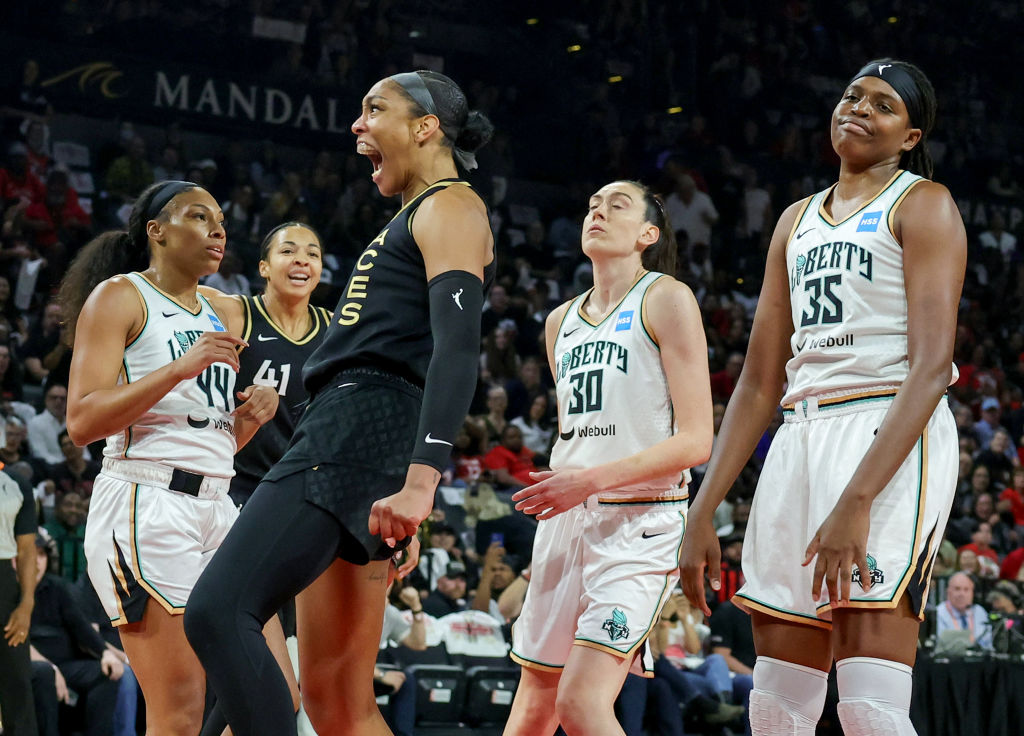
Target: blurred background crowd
{"type": "Point", "coordinates": [721, 107]}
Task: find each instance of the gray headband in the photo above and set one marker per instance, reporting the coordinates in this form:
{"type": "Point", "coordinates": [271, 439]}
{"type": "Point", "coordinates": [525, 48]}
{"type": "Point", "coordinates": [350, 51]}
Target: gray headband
{"type": "Point", "coordinates": [414, 86]}
{"type": "Point", "coordinates": [167, 191]}
{"type": "Point", "coordinates": [901, 81]}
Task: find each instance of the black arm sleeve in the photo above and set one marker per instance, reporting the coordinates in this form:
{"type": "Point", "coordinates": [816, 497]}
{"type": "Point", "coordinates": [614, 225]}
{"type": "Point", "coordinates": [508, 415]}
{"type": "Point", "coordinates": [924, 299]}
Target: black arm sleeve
{"type": "Point", "coordinates": [456, 302]}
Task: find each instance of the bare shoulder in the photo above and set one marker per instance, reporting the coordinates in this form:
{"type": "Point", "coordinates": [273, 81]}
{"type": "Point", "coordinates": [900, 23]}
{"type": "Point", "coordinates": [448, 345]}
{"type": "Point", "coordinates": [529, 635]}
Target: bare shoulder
{"type": "Point", "coordinates": [668, 291]}
{"type": "Point", "coordinates": [670, 309]}
{"type": "Point", "coordinates": [928, 208]}
{"type": "Point", "coordinates": [556, 315]}
{"type": "Point", "coordinates": [229, 307]}
{"type": "Point", "coordinates": [453, 204]}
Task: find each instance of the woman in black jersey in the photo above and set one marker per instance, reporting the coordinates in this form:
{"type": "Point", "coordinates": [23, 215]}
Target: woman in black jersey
{"type": "Point", "coordinates": [282, 330]}
{"type": "Point", "coordinates": [390, 387]}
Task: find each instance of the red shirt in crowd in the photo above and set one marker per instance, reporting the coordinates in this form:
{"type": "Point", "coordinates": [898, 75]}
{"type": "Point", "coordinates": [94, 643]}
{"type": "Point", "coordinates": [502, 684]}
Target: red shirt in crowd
{"type": "Point", "coordinates": [1016, 504]}
{"type": "Point", "coordinates": [990, 553]}
{"type": "Point", "coordinates": [70, 212]}
{"type": "Point", "coordinates": [519, 466]}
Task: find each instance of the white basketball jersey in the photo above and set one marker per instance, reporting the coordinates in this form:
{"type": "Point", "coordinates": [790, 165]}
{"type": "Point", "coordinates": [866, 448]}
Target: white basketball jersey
{"type": "Point", "coordinates": [613, 397]}
{"type": "Point", "coordinates": [848, 298]}
{"type": "Point", "coordinates": [191, 427]}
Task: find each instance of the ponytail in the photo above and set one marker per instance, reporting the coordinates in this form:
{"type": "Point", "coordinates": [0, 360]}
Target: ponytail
{"type": "Point", "coordinates": [660, 256]}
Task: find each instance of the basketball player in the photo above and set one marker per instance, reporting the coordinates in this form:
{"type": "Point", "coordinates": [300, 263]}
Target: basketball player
{"type": "Point", "coordinates": [153, 371]}
{"type": "Point", "coordinates": [858, 313]}
{"type": "Point", "coordinates": [282, 330]}
{"type": "Point", "coordinates": [634, 410]}
{"type": "Point", "coordinates": [390, 387]}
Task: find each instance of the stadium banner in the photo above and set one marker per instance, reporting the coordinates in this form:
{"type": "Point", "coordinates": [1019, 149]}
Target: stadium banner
{"type": "Point", "coordinates": [105, 84]}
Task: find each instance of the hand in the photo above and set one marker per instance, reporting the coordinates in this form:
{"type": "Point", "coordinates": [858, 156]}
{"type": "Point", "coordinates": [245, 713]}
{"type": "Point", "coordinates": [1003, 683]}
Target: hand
{"type": "Point", "coordinates": [60, 685]}
{"type": "Point", "coordinates": [258, 403]}
{"type": "Point", "coordinates": [840, 543]}
{"type": "Point", "coordinates": [16, 630]}
{"type": "Point", "coordinates": [399, 515]}
{"type": "Point", "coordinates": [393, 678]}
{"type": "Point", "coordinates": [410, 597]}
{"type": "Point", "coordinates": [554, 492]}
{"type": "Point", "coordinates": [493, 556]}
{"type": "Point", "coordinates": [210, 348]}
{"type": "Point", "coordinates": [111, 666]}
{"type": "Point", "coordinates": [701, 550]}
{"type": "Point", "coordinates": [412, 559]}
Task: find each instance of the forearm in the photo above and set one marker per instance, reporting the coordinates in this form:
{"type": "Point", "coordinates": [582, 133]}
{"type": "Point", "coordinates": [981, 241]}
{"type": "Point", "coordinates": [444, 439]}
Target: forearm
{"type": "Point", "coordinates": [104, 412]}
{"type": "Point", "coordinates": [245, 429]}
{"type": "Point", "coordinates": [26, 565]}
{"type": "Point", "coordinates": [482, 597]}
{"type": "Point", "coordinates": [734, 664]}
{"type": "Point", "coordinates": [669, 457]}
{"type": "Point", "coordinates": [749, 411]}
{"type": "Point", "coordinates": [691, 640]}
{"type": "Point", "coordinates": [510, 602]}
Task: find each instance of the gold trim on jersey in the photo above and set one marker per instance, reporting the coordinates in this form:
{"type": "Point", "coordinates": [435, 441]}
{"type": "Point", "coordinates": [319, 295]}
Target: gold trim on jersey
{"type": "Point", "coordinates": [312, 332]}
{"type": "Point", "coordinates": [133, 533]}
{"type": "Point", "coordinates": [642, 500]}
{"type": "Point", "coordinates": [587, 294]}
{"type": "Point", "coordinates": [643, 313]}
{"type": "Point", "coordinates": [829, 220]}
{"type": "Point", "coordinates": [522, 661]}
{"type": "Point", "coordinates": [798, 220]}
{"type": "Point", "coordinates": [892, 209]}
{"type": "Point", "coordinates": [145, 316]}
{"type": "Point", "coordinates": [246, 319]}
{"type": "Point", "coordinates": [442, 184]}
{"type": "Point", "coordinates": [833, 401]}
{"type": "Point", "coordinates": [174, 301]}
{"type": "Point", "coordinates": [800, 618]}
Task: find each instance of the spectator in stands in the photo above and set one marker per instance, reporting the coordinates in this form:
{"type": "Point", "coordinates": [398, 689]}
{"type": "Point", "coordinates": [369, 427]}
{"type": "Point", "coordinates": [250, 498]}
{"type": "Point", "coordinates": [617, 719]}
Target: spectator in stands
{"type": "Point", "coordinates": [43, 348]}
{"type": "Point", "coordinates": [398, 630]}
{"type": "Point", "coordinates": [67, 530]}
{"type": "Point", "coordinates": [75, 473]}
{"type": "Point", "coordinates": [1000, 457]}
{"type": "Point", "coordinates": [959, 612]}
{"type": "Point", "coordinates": [733, 637]}
{"type": "Point", "coordinates": [732, 557]}
{"type": "Point", "coordinates": [57, 221]}
{"type": "Point", "coordinates": [499, 362]}
{"type": "Point", "coordinates": [498, 308]}
{"type": "Point", "coordinates": [170, 165]}
{"type": "Point", "coordinates": [450, 594]}
{"type": "Point", "coordinates": [1012, 497]}
{"type": "Point", "coordinates": [10, 375]}
{"type": "Point", "coordinates": [968, 561]}
{"type": "Point", "coordinates": [493, 423]}
{"type": "Point", "coordinates": [702, 684]}
{"type": "Point", "coordinates": [229, 278]}
{"type": "Point", "coordinates": [723, 382]}
{"type": "Point", "coordinates": [536, 425]}
{"type": "Point", "coordinates": [522, 389]}
{"type": "Point", "coordinates": [15, 454]}
{"type": "Point", "coordinates": [981, 542]}
{"type": "Point", "coordinates": [45, 427]}
{"type": "Point", "coordinates": [986, 427]}
{"type": "Point", "coordinates": [18, 185]}
{"type": "Point", "coordinates": [63, 636]}
{"type": "Point", "coordinates": [129, 173]}
{"type": "Point", "coordinates": [997, 238]}
{"type": "Point", "coordinates": [511, 462]}
{"type": "Point", "coordinates": [691, 211]}
{"type": "Point", "coordinates": [497, 572]}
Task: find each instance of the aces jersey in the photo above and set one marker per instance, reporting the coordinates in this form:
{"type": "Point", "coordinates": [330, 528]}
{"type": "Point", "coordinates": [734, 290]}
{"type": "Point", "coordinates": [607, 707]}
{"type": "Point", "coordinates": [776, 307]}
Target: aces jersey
{"type": "Point", "coordinates": [613, 397]}
{"type": "Point", "coordinates": [847, 297]}
{"type": "Point", "coordinates": [191, 427]}
{"type": "Point", "coordinates": [274, 359]}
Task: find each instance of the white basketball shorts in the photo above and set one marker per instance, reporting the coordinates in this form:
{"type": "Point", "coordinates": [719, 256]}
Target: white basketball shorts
{"type": "Point", "coordinates": [143, 540]}
{"type": "Point", "coordinates": [811, 460]}
{"type": "Point", "coordinates": [601, 574]}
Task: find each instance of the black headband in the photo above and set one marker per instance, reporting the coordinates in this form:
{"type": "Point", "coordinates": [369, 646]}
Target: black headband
{"type": "Point", "coordinates": [415, 87]}
{"type": "Point", "coordinates": [167, 191]}
{"type": "Point", "coordinates": [901, 81]}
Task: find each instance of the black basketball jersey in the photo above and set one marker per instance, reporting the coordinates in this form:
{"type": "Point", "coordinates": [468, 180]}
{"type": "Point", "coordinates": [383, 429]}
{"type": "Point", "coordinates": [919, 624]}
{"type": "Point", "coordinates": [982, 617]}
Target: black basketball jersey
{"type": "Point", "coordinates": [383, 316]}
{"type": "Point", "coordinates": [274, 359]}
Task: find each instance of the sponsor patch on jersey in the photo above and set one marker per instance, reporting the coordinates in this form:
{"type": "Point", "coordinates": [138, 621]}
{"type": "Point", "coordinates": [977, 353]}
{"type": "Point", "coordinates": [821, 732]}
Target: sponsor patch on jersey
{"type": "Point", "coordinates": [624, 321]}
{"type": "Point", "coordinates": [217, 326]}
{"type": "Point", "coordinates": [869, 222]}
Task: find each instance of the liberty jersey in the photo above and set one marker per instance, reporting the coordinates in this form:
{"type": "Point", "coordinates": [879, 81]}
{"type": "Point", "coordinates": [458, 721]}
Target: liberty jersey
{"type": "Point", "coordinates": [191, 427]}
{"type": "Point", "coordinates": [274, 359]}
{"type": "Point", "coordinates": [847, 297]}
{"type": "Point", "coordinates": [613, 396]}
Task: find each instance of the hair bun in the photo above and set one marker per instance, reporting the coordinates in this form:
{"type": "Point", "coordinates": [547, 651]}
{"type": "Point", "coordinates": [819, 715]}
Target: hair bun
{"type": "Point", "coordinates": [475, 133]}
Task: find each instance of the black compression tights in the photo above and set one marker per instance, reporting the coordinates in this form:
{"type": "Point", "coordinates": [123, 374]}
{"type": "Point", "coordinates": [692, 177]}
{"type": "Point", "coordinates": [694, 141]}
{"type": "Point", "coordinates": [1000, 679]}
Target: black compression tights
{"type": "Point", "coordinates": [278, 546]}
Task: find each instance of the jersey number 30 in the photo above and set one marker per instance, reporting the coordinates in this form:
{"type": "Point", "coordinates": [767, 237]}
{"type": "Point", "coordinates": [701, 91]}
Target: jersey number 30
{"type": "Point", "coordinates": [267, 376]}
{"type": "Point", "coordinates": [586, 391]}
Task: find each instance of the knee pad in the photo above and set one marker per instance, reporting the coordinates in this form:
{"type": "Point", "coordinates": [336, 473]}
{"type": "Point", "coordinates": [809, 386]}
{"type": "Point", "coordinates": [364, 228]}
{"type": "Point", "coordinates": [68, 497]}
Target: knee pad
{"type": "Point", "coordinates": [787, 698]}
{"type": "Point", "coordinates": [874, 697]}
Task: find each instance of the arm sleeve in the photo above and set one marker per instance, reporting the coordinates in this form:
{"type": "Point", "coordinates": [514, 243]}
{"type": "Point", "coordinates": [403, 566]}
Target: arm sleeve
{"type": "Point", "coordinates": [456, 303]}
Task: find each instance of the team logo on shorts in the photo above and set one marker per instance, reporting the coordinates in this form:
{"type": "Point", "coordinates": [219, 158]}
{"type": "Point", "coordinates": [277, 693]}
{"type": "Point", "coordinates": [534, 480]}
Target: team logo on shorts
{"type": "Point", "coordinates": [877, 576]}
{"type": "Point", "coordinates": [616, 625]}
